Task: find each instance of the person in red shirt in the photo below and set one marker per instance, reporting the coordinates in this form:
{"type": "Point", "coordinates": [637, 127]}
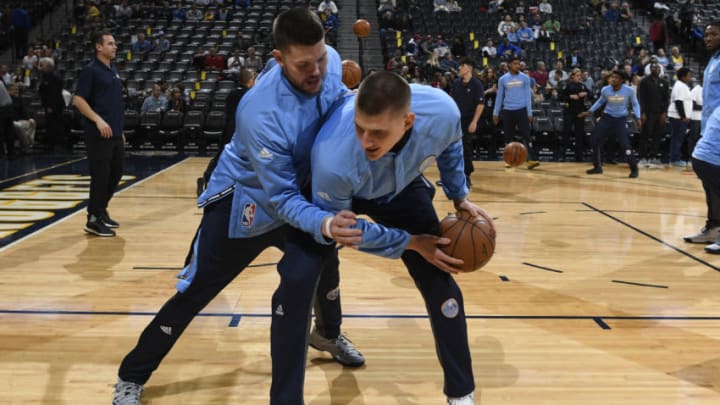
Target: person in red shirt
{"type": "Point", "coordinates": [213, 61]}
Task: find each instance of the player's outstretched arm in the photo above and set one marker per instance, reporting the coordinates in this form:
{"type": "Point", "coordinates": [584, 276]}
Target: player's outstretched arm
{"type": "Point", "coordinates": [338, 227]}
{"type": "Point", "coordinates": [428, 247]}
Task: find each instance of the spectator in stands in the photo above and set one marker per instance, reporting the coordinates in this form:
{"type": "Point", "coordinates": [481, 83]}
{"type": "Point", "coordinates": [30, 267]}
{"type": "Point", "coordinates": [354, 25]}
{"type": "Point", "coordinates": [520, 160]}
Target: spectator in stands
{"type": "Point", "coordinates": [23, 124]}
{"type": "Point", "coordinates": [545, 7]}
{"type": "Point", "coordinates": [176, 100]}
{"type": "Point", "coordinates": [653, 59]}
{"type": "Point", "coordinates": [4, 74]}
{"type": "Point", "coordinates": [659, 33]}
{"type": "Point", "coordinates": [432, 65]}
{"type": "Point", "coordinates": [449, 64]}
{"type": "Point", "coordinates": [505, 25]}
{"type": "Point", "coordinates": [489, 50]}
{"type": "Point", "coordinates": [440, 6]}
{"type": "Point", "coordinates": [574, 97]}
{"type": "Point", "coordinates": [508, 51]}
{"type": "Point", "coordinates": [626, 13]}
{"type": "Point", "coordinates": [540, 75]}
{"type": "Point", "coordinates": [253, 61]}
{"type": "Point", "coordinates": [679, 109]}
{"type": "Point", "coordinates": [386, 5]}
{"type": "Point", "coordinates": [663, 60]}
{"type": "Point", "coordinates": [21, 23]}
{"type": "Point", "coordinates": [612, 14]}
{"type": "Point", "coordinates": [512, 36]}
{"type": "Point", "coordinates": [496, 6]}
{"type": "Point", "coordinates": [178, 13]}
{"type": "Point", "coordinates": [29, 61]}
{"type": "Point", "coordinates": [654, 96]}
{"type": "Point", "coordinates": [142, 45]}
{"type": "Point", "coordinates": [557, 75]}
{"type": "Point", "coordinates": [162, 44]}
{"type": "Point", "coordinates": [574, 60]}
{"type": "Point", "coordinates": [330, 23]}
{"type": "Point", "coordinates": [551, 27]}
{"type": "Point", "coordinates": [686, 14]}
{"type": "Point", "coordinates": [213, 60]}
{"type": "Point", "coordinates": [50, 90]}
{"type": "Point", "coordinates": [454, 7]}
{"type": "Point", "coordinates": [514, 99]}
{"type": "Point", "coordinates": [236, 62]}
{"type": "Point", "coordinates": [156, 101]}
{"type": "Point", "coordinates": [458, 47]}
{"type": "Point", "coordinates": [20, 77]}
{"type": "Point", "coordinates": [327, 5]}
{"type": "Point", "coordinates": [194, 14]}
{"type": "Point", "coordinates": [123, 11]}
{"type": "Point", "coordinates": [676, 59]}
{"type": "Point", "coordinates": [198, 59]}
{"type": "Point", "coordinates": [426, 46]}
{"type": "Point", "coordinates": [525, 34]}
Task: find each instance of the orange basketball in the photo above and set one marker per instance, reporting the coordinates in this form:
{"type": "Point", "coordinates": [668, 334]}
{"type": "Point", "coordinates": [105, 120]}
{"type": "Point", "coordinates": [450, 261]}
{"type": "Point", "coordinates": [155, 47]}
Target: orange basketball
{"type": "Point", "coordinates": [472, 239]}
{"type": "Point", "coordinates": [361, 28]}
{"type": "Point", "coordinates": [351, 73]}
{"type": "Point", "coordinates": [515, 154]}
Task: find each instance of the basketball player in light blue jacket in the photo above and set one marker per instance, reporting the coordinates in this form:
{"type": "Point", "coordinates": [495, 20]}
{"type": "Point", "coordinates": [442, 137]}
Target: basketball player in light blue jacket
{"type": "Point", "coordinates": [369, 158]}
{"type": "Point", "coordinates": [254, 200]}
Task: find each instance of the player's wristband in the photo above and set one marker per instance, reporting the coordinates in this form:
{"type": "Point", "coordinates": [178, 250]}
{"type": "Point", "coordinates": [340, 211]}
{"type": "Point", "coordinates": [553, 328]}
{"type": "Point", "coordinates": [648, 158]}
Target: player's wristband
{"type": "Point", "coordinates": [328, 233]}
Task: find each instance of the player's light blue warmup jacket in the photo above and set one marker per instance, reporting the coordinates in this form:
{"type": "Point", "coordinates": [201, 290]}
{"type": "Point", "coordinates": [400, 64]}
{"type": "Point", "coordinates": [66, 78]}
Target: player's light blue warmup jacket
{"type": "Point", "coordinates": [616, 102]}
{"type": "Point", "coordinates": [268, 159]}
{"type": "Point", "coordinates": [708, 146]}
{"type": "Point", "coordinates": [711, 88]}
{"type": "Point", "coordinates": [514, 93]}
{"type": "Point", "coordinates": [341, 171]}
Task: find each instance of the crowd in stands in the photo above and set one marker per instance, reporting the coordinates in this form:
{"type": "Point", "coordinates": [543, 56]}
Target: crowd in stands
{"type": "Point", "coordinates": [526, 29]}
{"type": "Point", "coordinates": [184, 56]}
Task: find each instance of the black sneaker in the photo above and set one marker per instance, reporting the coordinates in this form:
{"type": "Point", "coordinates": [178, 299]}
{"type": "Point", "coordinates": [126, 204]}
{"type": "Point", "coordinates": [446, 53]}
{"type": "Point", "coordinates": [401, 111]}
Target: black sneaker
{"type": "Point", "coordinates": [109, 222]}
{"type": "Point", "coordinates": [96, 227]}
{"type": "Point", "coordinates": [633, 172]}
{"type": "Point", "coordinates": [594, 170]}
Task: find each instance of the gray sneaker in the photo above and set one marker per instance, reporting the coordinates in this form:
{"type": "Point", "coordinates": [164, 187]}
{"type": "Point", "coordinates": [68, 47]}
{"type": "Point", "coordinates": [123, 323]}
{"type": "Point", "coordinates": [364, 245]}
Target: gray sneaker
{"type": "Point", "coordinates": [342, 349]}
{"type": "Point", "coordinates": [127, 393]}
{"type": "Point", "coordinates": [706, 235]}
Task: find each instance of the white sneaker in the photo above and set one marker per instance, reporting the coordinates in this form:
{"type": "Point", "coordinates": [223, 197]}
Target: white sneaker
{"type": "Point", "coordinates": [127, 393]}
{"type": "Point", "coordinates": [466, 400]}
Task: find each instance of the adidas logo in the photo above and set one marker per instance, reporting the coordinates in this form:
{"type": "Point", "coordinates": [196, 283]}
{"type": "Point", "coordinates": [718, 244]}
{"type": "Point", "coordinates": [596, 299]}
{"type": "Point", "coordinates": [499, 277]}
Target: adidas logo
{"type": "Point", "coordinates": [166, 330]}
{"type": "Point", "coordinates": [279, 310]}
{"type": "Point", "coordinates": [265, 154]}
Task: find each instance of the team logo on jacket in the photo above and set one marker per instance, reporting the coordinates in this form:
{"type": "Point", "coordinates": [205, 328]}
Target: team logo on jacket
{"type": "Point", "coordinates": [333, 294]}
{"type": "Point", "coordinates": [248, 215]}
{"type": "Point", "coordinates": [265, 154]}
{"type": "Point", "coordinates": [450, 308]}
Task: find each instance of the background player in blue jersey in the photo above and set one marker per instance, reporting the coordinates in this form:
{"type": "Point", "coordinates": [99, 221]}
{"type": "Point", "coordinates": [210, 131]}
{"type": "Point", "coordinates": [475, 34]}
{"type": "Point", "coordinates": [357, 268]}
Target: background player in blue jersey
{"type": "Point", "coordinates": [616, 98]}
{"type": "Point", "coordinates": [514, 99]}
{"type": "Point", "coordinates": [253, 201]}
{"type": "Point", "coordinates": [369, 157]}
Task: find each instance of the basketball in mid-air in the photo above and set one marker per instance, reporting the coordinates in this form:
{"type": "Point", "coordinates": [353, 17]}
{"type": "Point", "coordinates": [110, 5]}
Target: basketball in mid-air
{"type": "Point", "coordinates": [351, 73]}
{"type": "Point", "coordinates": [515, 154]}
{"type": "Point", "coordinates": [472, 239]}
{"type": "Point", "coordinates": [361, 28]}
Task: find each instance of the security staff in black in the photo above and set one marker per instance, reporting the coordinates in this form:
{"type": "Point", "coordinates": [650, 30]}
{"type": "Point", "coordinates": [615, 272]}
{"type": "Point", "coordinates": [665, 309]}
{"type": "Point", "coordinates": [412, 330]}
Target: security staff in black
{"type": "Point", "coordinates": [653, 93]}
{"type": "Point", "coordinates": [99, 99]}
{"type": "Point", "coordinates": [468, 93]}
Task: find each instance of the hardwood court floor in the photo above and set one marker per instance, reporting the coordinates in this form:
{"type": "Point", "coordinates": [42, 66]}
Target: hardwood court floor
{"type": "Point", "coordinates": [592, 298]}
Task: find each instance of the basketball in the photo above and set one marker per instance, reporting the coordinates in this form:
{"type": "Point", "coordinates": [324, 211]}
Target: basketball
{"type": "Point", "coordinates": [515, 154]}
{"type": "Point", "coordinates": [361, 28]}
{"type": "Point", "coordinates": [351, 73]}
{"type": "Point", "coordinates": [472, 239]}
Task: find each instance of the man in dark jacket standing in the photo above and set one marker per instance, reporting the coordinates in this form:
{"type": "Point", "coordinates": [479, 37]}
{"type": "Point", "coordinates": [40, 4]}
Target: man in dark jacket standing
{"type": "Point", "coordinates": [654, 97]}
{"type": "Point", "coordinates": [50, 92]}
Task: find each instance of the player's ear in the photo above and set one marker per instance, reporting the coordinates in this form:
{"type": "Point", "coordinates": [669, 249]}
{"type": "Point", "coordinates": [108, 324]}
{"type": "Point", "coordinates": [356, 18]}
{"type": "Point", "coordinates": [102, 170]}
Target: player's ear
{"type": "Point", "coordinates": [278, 56]}
{"type": "Point", "coordinates": [409, 120]}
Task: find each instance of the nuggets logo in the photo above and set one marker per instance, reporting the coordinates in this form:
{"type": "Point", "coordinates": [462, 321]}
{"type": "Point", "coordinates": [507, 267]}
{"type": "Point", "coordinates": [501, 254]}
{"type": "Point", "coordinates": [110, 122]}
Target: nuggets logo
{"type": "Point", "coordinates": [248, 215]}
{"type": "Point", "coordinates": [450, 308]}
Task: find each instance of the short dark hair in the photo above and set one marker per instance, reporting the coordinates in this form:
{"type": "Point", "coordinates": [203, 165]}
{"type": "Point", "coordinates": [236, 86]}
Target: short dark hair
{"type": "Point", "coordinates": [514, 58]}
{"type": "Point", "coordinates": [714, 23]}
{"type": "Point", "coordinates": [99, 39]}
{"type": "Point", "coordinates": [467, 61]}
{"type": "Point", "coordinates": [682, 72]}
{"type": "Point", "coordinates": [383, 91]}
{"type": "Point", "coordinates": [297, 26]}
{"type": "Point", "coordinates": [623, 76]}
